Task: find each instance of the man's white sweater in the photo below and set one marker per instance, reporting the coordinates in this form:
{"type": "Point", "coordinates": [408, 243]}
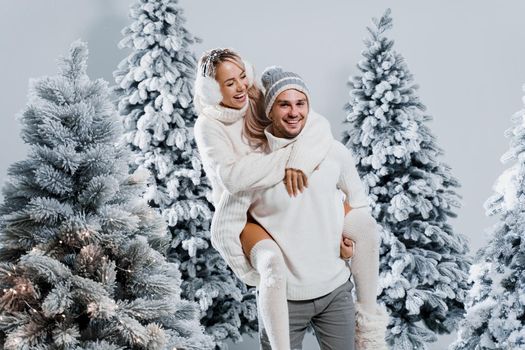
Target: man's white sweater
{"type": "Point", "coordinates": [307, 228]}
{"type": "Point", "coordinates": [232, 166]}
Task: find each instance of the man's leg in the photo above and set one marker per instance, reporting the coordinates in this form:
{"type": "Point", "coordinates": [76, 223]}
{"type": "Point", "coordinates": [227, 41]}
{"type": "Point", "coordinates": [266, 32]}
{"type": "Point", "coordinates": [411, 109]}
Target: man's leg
{"type": "Point", "coordinates": [300, 313]}
{"type": "Point", "coordinates": [334, 323]}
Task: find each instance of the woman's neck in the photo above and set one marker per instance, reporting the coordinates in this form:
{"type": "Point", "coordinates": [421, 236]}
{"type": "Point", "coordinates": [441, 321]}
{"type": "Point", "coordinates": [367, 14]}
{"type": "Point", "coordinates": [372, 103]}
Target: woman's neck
{"type": "Point", "coordinates": [227, 114]}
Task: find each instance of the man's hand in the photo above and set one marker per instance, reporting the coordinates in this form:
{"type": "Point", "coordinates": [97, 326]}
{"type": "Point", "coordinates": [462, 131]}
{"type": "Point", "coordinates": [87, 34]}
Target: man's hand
{"type": "Point", "coordinates": [346, 249]}
{"type": "Point", "coordinates": [295, 181]}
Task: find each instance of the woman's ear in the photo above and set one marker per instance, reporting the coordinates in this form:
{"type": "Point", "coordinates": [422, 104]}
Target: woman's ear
{"type": "Point", "coordinates": [208, 89]}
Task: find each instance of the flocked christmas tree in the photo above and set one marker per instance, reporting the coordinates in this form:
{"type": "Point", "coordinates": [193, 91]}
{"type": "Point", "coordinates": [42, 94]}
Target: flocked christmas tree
{"type": "Point", "coordinates": [423, 262]}
{"type": "Point", "coordinates": [78, 266]}
{"type": "Point", "coordinates": [495, 308]}
{"type": "Point", "coordinates": [154, 91]}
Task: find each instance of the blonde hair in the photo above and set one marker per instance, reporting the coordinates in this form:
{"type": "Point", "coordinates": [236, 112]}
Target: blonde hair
{"type": "Point", "coordinates": [255, 120]}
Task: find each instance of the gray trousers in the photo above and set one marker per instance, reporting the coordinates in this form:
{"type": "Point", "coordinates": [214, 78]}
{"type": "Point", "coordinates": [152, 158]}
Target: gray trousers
{"type": "Point", "coordinates": [332, 317]}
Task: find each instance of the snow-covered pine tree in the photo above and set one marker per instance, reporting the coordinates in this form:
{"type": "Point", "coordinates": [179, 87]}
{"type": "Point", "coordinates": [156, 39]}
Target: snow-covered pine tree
{"type": "Point", "coordinates": [154, 92]}
{"type": "Point", "coordinates": [495, 307]}
{"type": "Point", "coordinates": [78, 268]}
{"type": "Point", "coordinates": [423, 262]}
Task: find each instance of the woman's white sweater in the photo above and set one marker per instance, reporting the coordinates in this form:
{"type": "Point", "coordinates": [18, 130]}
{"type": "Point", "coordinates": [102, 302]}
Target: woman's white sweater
{"type": "Point", "coordinates": [233, 166]}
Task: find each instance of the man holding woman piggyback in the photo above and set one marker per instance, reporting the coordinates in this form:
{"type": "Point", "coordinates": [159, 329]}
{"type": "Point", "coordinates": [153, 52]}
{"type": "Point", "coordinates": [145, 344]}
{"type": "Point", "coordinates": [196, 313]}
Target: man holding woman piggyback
{"type": "Point", "coordinates": [289, 207]}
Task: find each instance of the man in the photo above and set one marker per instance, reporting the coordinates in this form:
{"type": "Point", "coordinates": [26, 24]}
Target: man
{"type": "Point", "coordinates": [307, 229]}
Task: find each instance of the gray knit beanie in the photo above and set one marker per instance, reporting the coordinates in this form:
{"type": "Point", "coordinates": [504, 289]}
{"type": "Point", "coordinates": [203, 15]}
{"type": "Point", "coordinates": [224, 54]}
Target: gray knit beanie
{"type": "Point", "coordinates": [275, 80]}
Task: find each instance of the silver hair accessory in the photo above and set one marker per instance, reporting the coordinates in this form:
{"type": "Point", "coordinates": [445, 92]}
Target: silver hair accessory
{"type": "Point", "coordinates": [208, 66]}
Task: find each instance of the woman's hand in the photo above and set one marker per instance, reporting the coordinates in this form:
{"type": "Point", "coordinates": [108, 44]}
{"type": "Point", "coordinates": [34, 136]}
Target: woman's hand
{"type": "Point", "coordinates": [295, 181]}
{"type": "Point", "coordinates": [346, 249]}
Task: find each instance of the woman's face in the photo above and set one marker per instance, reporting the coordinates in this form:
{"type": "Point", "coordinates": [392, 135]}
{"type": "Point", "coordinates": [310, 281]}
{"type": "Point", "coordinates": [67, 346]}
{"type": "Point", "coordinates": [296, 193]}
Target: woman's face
{"type": "Point", "coordinates": [233, 83]}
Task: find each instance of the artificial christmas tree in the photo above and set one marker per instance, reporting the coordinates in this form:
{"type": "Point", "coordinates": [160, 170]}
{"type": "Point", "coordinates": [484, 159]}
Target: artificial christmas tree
{"type": "Point", "coordinates": [154, 93]}
{"type": "Point", "coordinates": [78, 268]}
{"type": "Point", "coordinates": [495, 308]}
{"type": "Point", "coordinates": [423, 262]}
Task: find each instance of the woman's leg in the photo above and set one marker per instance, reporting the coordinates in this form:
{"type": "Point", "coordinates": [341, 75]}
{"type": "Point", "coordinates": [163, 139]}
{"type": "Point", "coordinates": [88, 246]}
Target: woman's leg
{"type": "Point", "coordinates": [371, 318]}
{"type": "Point", "coordinates": [266, 257]}
{"type": "Point", "coordinates": [360, 227]}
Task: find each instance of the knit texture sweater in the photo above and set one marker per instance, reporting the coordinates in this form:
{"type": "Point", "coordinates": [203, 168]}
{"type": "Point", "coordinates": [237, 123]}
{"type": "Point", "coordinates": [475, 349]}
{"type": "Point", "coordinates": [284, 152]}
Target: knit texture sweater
{"type": "Point", "coordinates": [307, 228]}
{"type": "Point", "coordinates": [232, 165]}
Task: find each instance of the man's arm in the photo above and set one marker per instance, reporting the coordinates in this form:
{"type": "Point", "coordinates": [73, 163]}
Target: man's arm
{"type": "Point", "coordinates": [249, 172]}
{"type": "Point", "coordinates": [349, 181]}
{"type": "Point", "coordinates": [361, 227]}
{"type": "Point", "coordinates": [358, 221]}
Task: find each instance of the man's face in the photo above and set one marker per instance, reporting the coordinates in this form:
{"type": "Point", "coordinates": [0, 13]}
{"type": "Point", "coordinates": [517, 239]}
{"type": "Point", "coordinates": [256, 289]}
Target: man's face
{"type": "Point", "coordinates": [289, 113]}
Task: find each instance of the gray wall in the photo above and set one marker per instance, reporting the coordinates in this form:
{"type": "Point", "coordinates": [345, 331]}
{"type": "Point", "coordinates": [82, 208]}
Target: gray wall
{"type": "Point", "coordinates": [467, 56]}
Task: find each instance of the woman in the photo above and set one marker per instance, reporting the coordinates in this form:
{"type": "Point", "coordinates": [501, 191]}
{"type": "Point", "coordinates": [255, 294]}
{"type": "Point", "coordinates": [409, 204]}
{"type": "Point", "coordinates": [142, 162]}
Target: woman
{"type": "Point", "coordinates": [231, 141]}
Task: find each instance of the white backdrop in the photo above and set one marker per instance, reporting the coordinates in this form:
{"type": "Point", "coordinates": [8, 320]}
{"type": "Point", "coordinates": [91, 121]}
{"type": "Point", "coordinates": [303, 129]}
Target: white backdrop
{"type": "Point", "coordinates": [467, 57]}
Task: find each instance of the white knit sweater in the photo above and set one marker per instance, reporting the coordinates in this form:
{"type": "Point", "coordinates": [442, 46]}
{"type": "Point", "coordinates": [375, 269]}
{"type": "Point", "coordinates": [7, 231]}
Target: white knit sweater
{"type": "Point", "coordinates": [232, 165]}
{"type": "Point", "coordinates": [306, 228]}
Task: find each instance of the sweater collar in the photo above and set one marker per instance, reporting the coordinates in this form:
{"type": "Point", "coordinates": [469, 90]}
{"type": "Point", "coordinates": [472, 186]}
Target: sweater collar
{"type": "Point", "coordinates": [224, 114]}
{"type": "Point", "coordinates": [274, 142]}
